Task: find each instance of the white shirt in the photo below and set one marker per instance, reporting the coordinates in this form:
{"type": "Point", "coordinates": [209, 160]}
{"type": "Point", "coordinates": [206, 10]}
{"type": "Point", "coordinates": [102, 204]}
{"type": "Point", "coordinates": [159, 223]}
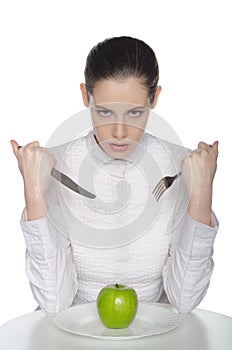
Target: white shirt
{"type": "Point", "coordinates": [124, 235]}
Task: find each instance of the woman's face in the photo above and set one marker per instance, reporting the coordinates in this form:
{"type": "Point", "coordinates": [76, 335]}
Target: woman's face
{"type": "Point", "coordinates": [119, 111]}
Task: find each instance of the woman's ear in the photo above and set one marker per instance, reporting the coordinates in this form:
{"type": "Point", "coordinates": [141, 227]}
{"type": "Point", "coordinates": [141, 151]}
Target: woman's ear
{"type": "Point", "coordinates": [157, 93]}
{"type": "Point", "coordinates": [84, 94]}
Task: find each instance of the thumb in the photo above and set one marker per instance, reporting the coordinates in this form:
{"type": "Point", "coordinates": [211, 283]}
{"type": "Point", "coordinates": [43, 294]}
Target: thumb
{"type": "Point", "coordinates": [15, 147]}
{"type": "Point", "coordinates": [215, 147]}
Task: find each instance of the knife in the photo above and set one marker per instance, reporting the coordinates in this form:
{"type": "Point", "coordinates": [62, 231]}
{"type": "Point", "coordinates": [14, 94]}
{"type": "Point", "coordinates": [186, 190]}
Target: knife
{"type": "Point", "coordinates": [66, 181]}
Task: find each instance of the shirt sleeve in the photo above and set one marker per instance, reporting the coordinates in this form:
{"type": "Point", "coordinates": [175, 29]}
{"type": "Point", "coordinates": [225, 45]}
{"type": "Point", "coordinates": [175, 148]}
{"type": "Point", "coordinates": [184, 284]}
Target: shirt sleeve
{"type": "Point", "coordinates": [190, 264]}
{"type": "Point", "coordinates": [49, 264]}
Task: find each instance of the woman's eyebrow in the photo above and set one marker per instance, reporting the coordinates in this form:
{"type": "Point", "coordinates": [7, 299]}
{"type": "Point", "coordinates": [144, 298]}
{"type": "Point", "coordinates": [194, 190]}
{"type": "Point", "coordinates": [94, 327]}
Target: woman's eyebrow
{"type": "Point", "coordinates": [101, 107]}
{"type": "Point", "coordinates": [137, 107]}
{"type": "Point", "coordinates": [130, 109]}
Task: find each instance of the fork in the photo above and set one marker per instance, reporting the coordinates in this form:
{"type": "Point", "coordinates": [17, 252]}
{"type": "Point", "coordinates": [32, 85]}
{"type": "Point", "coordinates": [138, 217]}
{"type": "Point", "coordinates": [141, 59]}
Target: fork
{"type": "Point", "coordinates": [163, 185]}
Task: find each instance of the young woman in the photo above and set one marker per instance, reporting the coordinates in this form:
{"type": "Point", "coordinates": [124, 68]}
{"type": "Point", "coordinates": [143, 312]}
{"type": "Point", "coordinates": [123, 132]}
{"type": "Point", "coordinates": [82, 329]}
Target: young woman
{"type": "Point", "coordinates": [75, 245]}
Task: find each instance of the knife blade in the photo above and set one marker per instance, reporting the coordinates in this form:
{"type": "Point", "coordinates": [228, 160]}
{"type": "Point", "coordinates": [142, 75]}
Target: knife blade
{"type": "Point", "coordinates": [66, 181]}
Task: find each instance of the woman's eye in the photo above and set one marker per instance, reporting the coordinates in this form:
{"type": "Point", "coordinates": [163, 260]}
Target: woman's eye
{"type": "Point", "coordinates": [135, 113]}
{"type": "Point", "coordinates": [104, 112]}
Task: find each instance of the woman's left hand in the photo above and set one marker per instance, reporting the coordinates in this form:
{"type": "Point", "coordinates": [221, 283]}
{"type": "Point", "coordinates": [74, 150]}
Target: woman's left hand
{"type": "Point", "coordinates": [198, 170]}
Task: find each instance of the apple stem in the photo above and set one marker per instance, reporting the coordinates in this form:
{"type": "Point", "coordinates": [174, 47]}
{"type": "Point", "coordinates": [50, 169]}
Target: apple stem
{"type": "Point", "coordinates": [116, 285]}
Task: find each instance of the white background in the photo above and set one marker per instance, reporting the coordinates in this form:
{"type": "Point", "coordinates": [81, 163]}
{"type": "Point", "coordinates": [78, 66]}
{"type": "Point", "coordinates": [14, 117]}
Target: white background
{"type": "Point", "coordinates": [43, 50]}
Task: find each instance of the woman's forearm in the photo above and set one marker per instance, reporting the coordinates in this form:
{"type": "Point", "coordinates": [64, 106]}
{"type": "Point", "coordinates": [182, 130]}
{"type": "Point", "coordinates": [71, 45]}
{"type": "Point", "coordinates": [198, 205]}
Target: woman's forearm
{"type": "Point", "coordinates": [36, 205]}
{"type": "Point", "coordinates": [199, 207]}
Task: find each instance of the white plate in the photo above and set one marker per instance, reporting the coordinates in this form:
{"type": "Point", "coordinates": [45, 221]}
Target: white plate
{"type": "Point", "coordinates": [150, 319]}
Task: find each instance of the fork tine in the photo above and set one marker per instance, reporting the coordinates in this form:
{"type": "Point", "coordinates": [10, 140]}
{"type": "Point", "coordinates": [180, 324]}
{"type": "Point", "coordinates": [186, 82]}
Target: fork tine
{"type": "Point", "coordinates": [159, 189]}
{"type": "Point", "coordinates": [162, 190]}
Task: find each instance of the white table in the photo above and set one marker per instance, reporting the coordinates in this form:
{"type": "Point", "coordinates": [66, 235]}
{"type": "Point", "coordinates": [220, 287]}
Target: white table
{"type": "Point", "coordinates": [199, 330]}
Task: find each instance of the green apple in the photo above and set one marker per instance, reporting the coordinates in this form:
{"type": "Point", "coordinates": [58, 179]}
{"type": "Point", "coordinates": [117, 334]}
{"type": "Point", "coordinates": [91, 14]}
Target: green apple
{"type": "Point", "coordinates": [117, 305]}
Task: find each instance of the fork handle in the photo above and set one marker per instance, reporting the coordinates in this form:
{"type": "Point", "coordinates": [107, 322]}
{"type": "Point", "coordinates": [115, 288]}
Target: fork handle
{"type": "Point", "coordinates": [178, 175]}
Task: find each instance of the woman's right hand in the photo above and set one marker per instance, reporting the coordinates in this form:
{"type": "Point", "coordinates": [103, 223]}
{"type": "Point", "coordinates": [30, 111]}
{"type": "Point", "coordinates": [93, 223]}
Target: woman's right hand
{"type": "Point", "coordinates": [35, 164]}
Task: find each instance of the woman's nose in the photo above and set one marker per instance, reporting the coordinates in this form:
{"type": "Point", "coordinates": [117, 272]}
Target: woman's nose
{"type": "Point", "coordinates": [120, 130]}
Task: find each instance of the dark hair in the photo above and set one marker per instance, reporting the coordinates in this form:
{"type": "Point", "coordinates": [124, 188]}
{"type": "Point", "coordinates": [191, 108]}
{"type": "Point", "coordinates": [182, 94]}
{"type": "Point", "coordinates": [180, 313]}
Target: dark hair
{"type": "Point", "coordinates": [119, 58]}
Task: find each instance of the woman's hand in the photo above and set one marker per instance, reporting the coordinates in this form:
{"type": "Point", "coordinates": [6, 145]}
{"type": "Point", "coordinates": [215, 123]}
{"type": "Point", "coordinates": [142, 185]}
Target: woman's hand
{"type": "Point", "coordinates": [198, 170]}
{"type": "Point", "coordinates": [35, 164]}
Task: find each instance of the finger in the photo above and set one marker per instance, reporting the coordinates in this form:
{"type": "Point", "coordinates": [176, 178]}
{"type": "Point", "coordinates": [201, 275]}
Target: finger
{"type": "Point", "coordinates": [15, 147]}
{"type": "Point", "coordinates": [203, 145]}
{"type": "Point", "coordinates": [33, 144]}
{"type": "Point", "coordinates": [215, 147]}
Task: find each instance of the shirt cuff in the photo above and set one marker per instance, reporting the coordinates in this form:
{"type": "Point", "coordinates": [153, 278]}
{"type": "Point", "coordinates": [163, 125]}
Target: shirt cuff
{"type": "Point", "coordinates": [197, 239]}
{"type": "Point", "coordinates": [36, 231]}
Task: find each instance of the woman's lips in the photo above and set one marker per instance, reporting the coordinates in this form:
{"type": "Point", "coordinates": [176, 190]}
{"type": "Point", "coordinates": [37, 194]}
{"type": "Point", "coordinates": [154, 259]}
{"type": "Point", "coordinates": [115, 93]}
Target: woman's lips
{"type": "Point", "coordinates": [119, 147]}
